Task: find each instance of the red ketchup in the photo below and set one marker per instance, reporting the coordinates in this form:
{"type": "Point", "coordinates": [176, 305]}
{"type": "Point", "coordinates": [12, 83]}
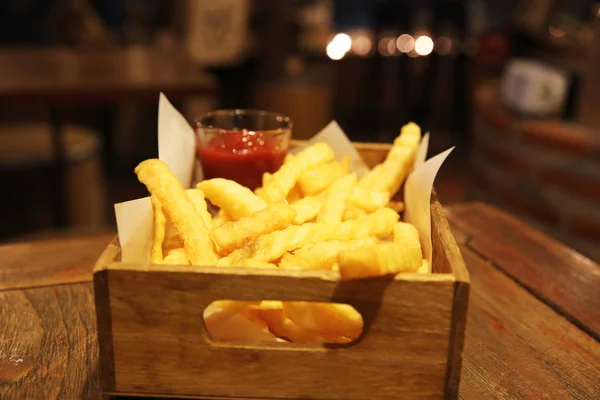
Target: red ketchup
{"type": "Point", "coordinates": [242, 156]}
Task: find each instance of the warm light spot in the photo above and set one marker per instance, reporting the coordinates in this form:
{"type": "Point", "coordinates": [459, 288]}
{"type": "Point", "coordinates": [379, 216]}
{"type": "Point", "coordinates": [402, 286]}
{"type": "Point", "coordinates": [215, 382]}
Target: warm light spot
{"type": "Point", "coordinates": [386, 46]}
{"type": "Point", "coordinates": [335, 50]}
{"type": "Point", "coordinates": [343, 41]}
{"type": "Point", "coordinates": [405, 43]}
{"type": "Point", "coordinates": [443, 45]}
{"type": "Point", "coordinates": [362, 45]}
{"type": "Point", "coordinates": [423, 45]}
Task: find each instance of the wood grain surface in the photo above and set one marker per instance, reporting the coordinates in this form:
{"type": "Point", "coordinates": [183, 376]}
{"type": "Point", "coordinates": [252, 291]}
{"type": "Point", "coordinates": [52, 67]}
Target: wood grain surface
{"type": "Point", "coordinates": [48, 345]}
{"type": "Point", "coordinates": [162, 347]}
{"type": "Point", "coordinates": [47, 262]}
{"type": "Point", "coordinates": [517, 345]}
{"type": "Point", "coordinates": [556, 274]}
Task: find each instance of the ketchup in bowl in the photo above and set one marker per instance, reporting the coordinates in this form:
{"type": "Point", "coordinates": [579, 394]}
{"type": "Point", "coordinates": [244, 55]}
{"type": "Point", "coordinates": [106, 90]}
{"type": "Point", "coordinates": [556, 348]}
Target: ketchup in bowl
{"type": "Point", "coordinates": [241, 145]}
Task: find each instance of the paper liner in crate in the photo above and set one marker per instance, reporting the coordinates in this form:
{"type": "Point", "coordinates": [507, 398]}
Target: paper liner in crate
{"type": "Point", "coordinates": [177, 148]}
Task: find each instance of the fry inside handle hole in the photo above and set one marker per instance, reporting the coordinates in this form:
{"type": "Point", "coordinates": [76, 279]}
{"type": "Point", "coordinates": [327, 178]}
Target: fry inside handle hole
{"type": "Point", "coordinates": [276, 321]}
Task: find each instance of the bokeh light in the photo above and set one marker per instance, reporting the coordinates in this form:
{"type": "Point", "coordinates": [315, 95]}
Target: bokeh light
{"type": "Point", "coordinates": [362, 45]}
{"type": "Point", "coordinates": [344, 41]}
{"type": "Point", "coordinates": [405, 43]}
{"type": "Point", "coordinates": [386, 46]}
{"type": "Point", "coordinates": [423, 45]}
{"type": "Point", "coordinates": [335, 50]}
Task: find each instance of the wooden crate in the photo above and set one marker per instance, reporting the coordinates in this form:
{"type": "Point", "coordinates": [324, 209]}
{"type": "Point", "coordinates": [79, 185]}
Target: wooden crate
{"type": "Point", "coordinates": [153, 340]}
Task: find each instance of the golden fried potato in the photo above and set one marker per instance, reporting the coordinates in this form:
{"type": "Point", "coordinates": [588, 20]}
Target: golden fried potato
{"type": "Point", "coordinates": [286, 177]}
{"type": "Point", "coordinates": [321, 255]}
{"type": "Point", "coordinates": [196, 196]}
{"type": "Point", "coordinates": [271, 246]}
{"type": "Point", "coordinates": [238, 201]}
{"type": "Point", "coordinates": [378, 260]}
{"type": "Point", "coordinates": [160, 222]}
{"type": "Point", "coordinates": [407, 235]}
{"type": "Point", "coordinates": [352, 212]}
{"type": "Point", "coordinates": [160, 181]}
{"type": "Point", "coordinates": [272, 313]}
{"type": "Point", "coordinates": [318, 179]}
{"type": "Point", "coordinates": [176, 256]}
{"type": "Point", "coordinates": [294, 195]}
{"type": "Point", "coordinates": [397, 206]}
{"type": "Point", "coordinates": [368, 200]}
{"type": "Point", "coordinates": [389, 175]}
{"type": "Point", "coordinates": [328, 320]}
{"type": "Point", "coordinates": [425, 267]}
{"type": "Point", "coordinates": [307, 208]}
{"type": "Point", "coordinates": [334, 202]}
{"type": "Point", "coordinates": [172, 240]}
{"type": "Point", "coordinates": [221, 218]}
{"type": "Point", "coordinates": [232, 235]}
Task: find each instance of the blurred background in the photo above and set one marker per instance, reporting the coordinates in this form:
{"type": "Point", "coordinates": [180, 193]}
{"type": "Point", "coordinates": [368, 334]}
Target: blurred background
{"type": "Point", "coordinates": [512, 83]}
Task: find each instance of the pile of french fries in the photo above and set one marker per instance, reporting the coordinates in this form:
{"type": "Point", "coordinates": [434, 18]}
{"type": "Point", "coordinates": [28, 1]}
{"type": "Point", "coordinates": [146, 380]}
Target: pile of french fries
{"type": "Point", "coordinates": [310, 214]}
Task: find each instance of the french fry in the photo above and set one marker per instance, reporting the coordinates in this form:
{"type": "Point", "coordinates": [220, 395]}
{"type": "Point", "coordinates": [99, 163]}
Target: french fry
{"type": "Point", "coordinates": [172, 240]}
{"type": "Point", "coordinates": [271, 246]}
{"type": "Point", "coordinates": [221, 218]}
{"type": "Point", "coordinates": [389, 175]}
{"type": "Point", "coordinates": [369, 200]}
{"type": "Point", "coordinates": [319, 178]}
{"type": "Point", "coordinates": [334, 202]}
{"type": "Point", "coordinates": [238, 201]}
{"type": "Point", "coordinates": [160, 181]}
{"type": "Point", "coordinates": [160, 222]}
{"type": "Point", "coordinates": [176, 256]}
{"type": "Point", "coordinates": [307, 208]}
{"type": "Point", "coordinates": [197, 198]}
{"type": "Point", "coordinates": [397, 206]}
{"type": "Point", "coordinates": [294, 195]}
{"type": "Point", "coordinates": [352, 212]}
{"type": "Point", "coordinates": [407, 235]}
{"type": "Point", "coordinates": [378, 260]}
{"type": "Point", "coordinates": [232, 235]}
{"type": "Point", "coordinates": [321, 255]}
{"type": "Point", "coordinates": [285, 178]}
{"type": "Point", "coordinates": [328, 320]}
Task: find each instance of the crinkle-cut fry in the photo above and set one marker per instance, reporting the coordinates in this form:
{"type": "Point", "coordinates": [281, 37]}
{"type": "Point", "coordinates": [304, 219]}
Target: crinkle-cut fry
{"type": "Point", "coordinates": [197, 198]}
{"type": "Point", "coordinates": [410, 135]}
{"type": "Point", "coordinates": [233, 320]}
{"type": "Point", "coordinates": [172, 240]}
{"type": "Point", "coordinates": [307, 208]}
{"type": "Point", "coordinates": [378, 260]}
{"type": "Point", "coordinates": [321, 255]}
{"type": "Point", "coordinates": [352, 212]}
{"type": "Point", "coordinates": [286, 177]}
{"type": "Point", "coordinates": [328, 320]}
{"type": "Point", "coordinates": [389, 175]}
{"type": "Point", "coordinates": [397, 206]}
{"type": "Point", "coordinates": [160, 222]}
{"type": "Point", "coordinates": [238, 201]}
{"type": "Point", "coordinates": [407, 235]}
{"type": "Point", "coordinates": [319, 178]}
{"type": "Point", "coordinates": [234, 234]}
{"type": "Point", "coordinates": [221, 218]}
{"type": "Point", "coordinates": [178, 208]}
{"type": "Point", "coordinates": [369, 200]}
{"type": "Point", "coordinates": [335, 199]}
{"type": "Point", "coordinates": [283, 327]}
{"type": "Point", "coordinates": [271, 246]}
{"type": "Point", "coordinates": [294, 195]}
{"type": "Point", "coordinates": [176, 256]}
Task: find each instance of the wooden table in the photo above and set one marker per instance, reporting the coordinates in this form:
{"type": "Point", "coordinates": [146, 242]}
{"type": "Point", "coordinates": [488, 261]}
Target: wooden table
{"type": "Point", "coordinates": [62, 77]}
{"type": "Point", "coordinates": [532, 331]}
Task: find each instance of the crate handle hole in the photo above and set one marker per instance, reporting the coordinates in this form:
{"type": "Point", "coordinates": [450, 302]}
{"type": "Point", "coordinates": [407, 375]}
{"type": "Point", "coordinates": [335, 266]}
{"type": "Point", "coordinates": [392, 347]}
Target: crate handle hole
{"type": "Point", "coordinates": [252, 322]}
